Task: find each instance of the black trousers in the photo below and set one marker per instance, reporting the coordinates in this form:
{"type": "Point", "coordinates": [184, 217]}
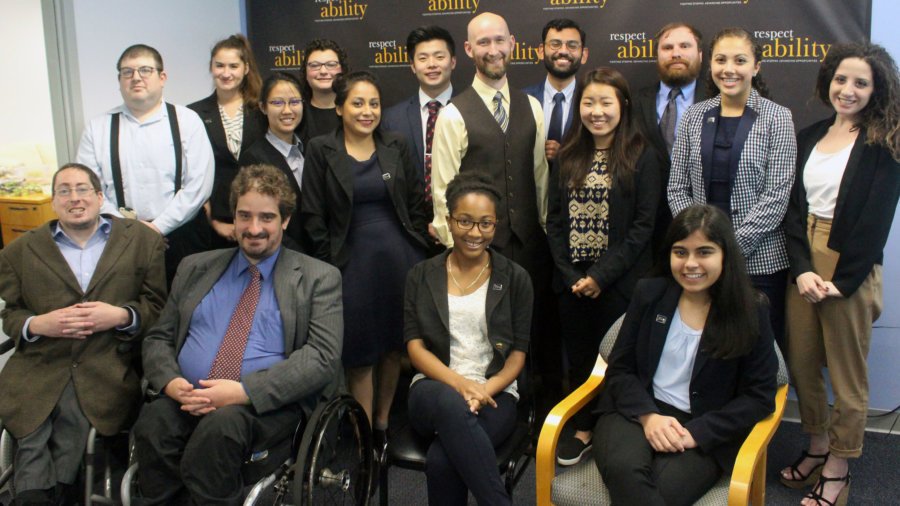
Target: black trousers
{"type": "Point", "coordinates": [461, 456]}
{"type": "Point", "coordinates": [636, 474]}
{"type": "Point", "coordinates": [180, 454]}
{"type": "Point", "coordinates": [584, 322]}
{"type": "Point", "coordinates": [774, 286]}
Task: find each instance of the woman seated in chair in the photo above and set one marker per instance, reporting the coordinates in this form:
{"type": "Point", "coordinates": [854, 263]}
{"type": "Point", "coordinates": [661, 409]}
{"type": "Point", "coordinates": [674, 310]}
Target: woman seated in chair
{"type": "Point", "coordinates": [692, 371]}
{"type": "Point", "coordinates": [467, 318]}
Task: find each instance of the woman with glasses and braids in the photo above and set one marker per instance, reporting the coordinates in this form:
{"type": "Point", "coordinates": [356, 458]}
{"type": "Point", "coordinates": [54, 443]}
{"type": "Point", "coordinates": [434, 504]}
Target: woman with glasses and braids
{"type": "Point", "coordinates": [604, 191]}
{"type": "Point", "coordinates": [323, 60]}
{"type": "Point", "coordinates": [467, 325]}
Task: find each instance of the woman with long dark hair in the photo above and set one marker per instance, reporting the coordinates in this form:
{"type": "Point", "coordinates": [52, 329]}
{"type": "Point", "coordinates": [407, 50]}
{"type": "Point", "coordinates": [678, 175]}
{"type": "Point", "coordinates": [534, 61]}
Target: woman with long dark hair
{"type": "Point", "coordinates": [737, 151]}
{"type": "Point", "coordinates": [363, 211]}
{"type": "Point", "coordinates": [841, 211]}
{"type": "Point", "coordinates": [604, 191]}
{"type": "Point", "coordinates": [233, 123]}
{"type": "Point", "coordinates": [692, 371]}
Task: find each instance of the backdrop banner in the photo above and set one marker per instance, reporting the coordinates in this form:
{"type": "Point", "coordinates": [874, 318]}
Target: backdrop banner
{"type": "Point", "coordinates": [795, 34]}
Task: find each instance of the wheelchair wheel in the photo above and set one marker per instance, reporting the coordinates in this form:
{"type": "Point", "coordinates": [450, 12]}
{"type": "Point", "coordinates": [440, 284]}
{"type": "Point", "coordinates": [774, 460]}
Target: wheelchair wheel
{"type": "Point", "coordinates": [335, 460]}
{"type": "Point", "coordinates": [7, 454]}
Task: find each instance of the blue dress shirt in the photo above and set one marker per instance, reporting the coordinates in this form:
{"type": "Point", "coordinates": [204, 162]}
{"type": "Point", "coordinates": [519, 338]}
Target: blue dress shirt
{"type": "Point", "coordinates": [685, 100]}
{"type": "Point", "coordinates": [265, 344]}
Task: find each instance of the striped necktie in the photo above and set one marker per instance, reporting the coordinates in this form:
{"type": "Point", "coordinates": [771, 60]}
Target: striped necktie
{"type": "Point", "coordinates": [500, 113]}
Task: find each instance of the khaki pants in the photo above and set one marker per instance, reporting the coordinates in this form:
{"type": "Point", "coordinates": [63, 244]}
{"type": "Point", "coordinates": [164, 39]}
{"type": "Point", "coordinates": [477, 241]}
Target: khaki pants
{"type": "Point", "coordinates": [834, 333]}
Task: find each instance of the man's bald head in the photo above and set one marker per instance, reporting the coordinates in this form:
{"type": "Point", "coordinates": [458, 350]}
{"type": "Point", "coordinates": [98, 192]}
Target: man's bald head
{"type": "Point", "coordinates": [490, 45]}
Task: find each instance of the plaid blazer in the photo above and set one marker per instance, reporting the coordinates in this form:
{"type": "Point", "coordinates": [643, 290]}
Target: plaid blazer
{"type": "Point", "coordinates": [763, 158]}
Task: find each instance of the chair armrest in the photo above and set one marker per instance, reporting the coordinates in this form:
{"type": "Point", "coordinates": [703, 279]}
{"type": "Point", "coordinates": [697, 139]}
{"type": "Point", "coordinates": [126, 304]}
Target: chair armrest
{"type": "Point", "coordinates": [749, 475]}
{"type": "Point", "coordinates": [545, 467]}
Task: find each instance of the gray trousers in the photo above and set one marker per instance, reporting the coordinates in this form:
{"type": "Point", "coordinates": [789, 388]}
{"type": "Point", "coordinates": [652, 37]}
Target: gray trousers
{"type": "Point", "coordinates": [52, 453]}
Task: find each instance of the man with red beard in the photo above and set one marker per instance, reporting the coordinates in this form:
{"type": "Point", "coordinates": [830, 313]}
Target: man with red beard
{"type": "Point", "coordinates": [564, 52]}
{"type": "Point", "coordinates": [658, 108]}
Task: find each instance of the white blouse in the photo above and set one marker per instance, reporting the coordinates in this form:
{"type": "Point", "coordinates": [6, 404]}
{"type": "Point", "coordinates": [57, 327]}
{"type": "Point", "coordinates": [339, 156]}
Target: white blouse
{"type": "Point", "coordinates": [822, 176]}
{"type": "Point", "coordinates": [672, 381]}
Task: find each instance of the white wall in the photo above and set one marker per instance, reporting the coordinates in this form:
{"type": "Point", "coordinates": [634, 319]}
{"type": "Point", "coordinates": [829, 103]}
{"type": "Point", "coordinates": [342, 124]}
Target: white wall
{"type": "Point", "coordinates": [182, 31]}
{"type": "Point", "coordinates": [24, 89]}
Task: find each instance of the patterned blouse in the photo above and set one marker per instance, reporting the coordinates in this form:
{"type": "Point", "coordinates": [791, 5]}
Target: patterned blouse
{"type": "Point", "coordinates": [589, 212]}
{"type": "Point", "coordinates": [234, 129]}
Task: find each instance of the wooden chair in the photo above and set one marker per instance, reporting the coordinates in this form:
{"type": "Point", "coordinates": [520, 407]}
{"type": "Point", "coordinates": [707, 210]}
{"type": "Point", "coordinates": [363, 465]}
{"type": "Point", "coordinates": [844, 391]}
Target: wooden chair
{"type": "Point", "coordinates": [581, 484]}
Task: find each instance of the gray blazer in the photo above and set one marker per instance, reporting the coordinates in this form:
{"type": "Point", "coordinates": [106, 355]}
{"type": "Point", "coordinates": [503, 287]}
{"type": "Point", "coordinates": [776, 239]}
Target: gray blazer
{"type": "Point", "coordinates": [763, 159]}
{"type": "Point", "coordinates": [309, 298]}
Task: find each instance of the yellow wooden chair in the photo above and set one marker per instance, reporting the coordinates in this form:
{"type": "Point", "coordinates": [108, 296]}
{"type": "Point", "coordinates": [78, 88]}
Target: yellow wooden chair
{"type": "Point", "coordinates": [581, 484]}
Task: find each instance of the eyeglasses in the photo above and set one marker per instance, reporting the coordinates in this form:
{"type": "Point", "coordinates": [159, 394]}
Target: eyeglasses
{"type": "Point", "coordinates": [316, 65]}
{"type": "Point", "coordinates": [485, 226]}
{"type": "Point", "coordinates": [81, 191]}
{"type": "Point", "coordinates": [278, 103]}
{"type": "Point", "coordinates": [128, 72]}
{"type": "Point", "coordinates": [555, 44]}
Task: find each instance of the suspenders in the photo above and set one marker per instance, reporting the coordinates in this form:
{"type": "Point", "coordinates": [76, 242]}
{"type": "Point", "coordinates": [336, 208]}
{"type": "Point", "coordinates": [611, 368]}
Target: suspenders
{"type": "Point", "coordinates": [114, 152]}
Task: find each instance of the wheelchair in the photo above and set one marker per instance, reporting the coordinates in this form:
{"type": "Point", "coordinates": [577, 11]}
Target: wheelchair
{"type": "Point", "coordinates": [330, 460]}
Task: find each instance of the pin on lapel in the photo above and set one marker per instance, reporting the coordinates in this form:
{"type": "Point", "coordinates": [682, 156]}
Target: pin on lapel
{"type": "Point", "coordinates": [661, 319]}
{"type": "Point", "coordinates": [497, 286]}
{"type": "Point", "coordinates": [711, 119]}
{"type": "Point", "coordinates": [386, 176]}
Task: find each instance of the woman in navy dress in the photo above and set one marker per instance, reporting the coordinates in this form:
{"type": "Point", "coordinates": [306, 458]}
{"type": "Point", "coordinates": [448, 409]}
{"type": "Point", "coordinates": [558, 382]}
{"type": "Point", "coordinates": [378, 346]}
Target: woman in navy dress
{"type": "Point", "coordinates": [363, 211]}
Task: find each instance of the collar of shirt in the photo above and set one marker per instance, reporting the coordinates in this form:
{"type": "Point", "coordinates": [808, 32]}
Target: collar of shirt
{"type": "Point", "coordinates": [286, 150]}
{"type": "Point", "coordinates": [240, 264]}
{"type": "Point", "coordinates": [685, 100]}
{"type": "Point", "coordinates": [443, 98]}
{"type": "Point", "coordinates": [101, 234]}
{"type": "Point", "coordinates": [550, 92]}
{"type": "Point", "coordinates": [160, 114]}
{"type": "Point", "coordinates": [487, 93]}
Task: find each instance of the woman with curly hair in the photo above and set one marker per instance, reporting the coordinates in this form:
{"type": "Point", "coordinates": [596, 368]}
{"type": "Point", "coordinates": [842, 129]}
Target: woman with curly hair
{"type": "Point", "coordinates": [837, 224]}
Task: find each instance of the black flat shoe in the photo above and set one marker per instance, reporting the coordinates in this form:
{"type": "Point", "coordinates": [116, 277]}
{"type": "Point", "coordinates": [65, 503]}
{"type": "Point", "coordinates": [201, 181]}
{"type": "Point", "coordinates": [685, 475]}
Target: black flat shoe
{"type": "Point", "coordinates": [800, 480]}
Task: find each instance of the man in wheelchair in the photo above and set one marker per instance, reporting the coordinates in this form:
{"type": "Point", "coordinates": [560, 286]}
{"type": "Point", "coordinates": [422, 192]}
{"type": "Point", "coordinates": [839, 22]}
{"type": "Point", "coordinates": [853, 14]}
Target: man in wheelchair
{"type": "Point", "coordinates": [80, 292]}
{"type": "Point", "coordinates": [245, 345]}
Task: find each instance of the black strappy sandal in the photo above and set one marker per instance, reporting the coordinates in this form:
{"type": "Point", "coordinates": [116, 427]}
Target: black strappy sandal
{"type": "Point", "coordinates": [817, 491]}
{"type": "Point", "coordinates": [800, 480]}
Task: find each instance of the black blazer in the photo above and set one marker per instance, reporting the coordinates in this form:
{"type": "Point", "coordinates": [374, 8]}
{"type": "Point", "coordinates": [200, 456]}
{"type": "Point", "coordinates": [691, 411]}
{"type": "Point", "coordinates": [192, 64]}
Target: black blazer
{"type": "Point", "coordinates": [328, 193]}
{"type": "Point", "coordinates": [643, 110]}
{"type": "Point", "coordinates": [728, 397]}
{"type": "Point", "coordinates": [508, 307]}
{"type": "Point", "coordinates": [866, 202]}
{"type": "Point", "coordinates": [264, 152]}
{"type": "Point", "coordinates": [632, 214]}
{"type": "Point", "coordinates": [227, 165]}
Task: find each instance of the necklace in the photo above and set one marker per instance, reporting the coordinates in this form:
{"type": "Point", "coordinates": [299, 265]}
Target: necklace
{"type": "Point", "coordinates": [470, 285]}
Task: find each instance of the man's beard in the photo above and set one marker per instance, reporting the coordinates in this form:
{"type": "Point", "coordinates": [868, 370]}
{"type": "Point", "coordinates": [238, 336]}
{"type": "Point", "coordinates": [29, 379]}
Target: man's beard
{"type": "Point", "coordinates": [562, 74]}
{"type": "Point", "coordinates": [678, 77]}
{"type": "Point", "coordinates": [484, 67]}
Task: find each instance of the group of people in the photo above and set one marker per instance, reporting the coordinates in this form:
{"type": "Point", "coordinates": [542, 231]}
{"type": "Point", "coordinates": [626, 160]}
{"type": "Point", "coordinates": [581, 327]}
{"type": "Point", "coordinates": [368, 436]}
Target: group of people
{"type": "Point", "coordinates": [292, 226]}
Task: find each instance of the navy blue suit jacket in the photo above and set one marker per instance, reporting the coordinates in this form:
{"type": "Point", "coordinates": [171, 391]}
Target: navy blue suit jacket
{"type": "Point", "coordinates": [405, 118]}
{"type": "Point", "coordinates": [537, 91]}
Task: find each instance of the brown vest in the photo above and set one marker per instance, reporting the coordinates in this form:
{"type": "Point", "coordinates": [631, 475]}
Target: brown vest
{"type": "Point", "coordinates": [508, 159]}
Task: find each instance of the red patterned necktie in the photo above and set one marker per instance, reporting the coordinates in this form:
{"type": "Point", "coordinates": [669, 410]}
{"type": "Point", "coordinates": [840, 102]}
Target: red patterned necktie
{"type": "Point", "coordinates": [230, 357]}
{"type": "Point", "coordinates": [433, 107]}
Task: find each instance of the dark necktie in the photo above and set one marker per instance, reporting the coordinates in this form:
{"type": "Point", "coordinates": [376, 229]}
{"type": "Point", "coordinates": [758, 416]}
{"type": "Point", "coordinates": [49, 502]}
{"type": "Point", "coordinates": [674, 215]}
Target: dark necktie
{"type": "Point", "coordinates": [669, 119]}
{"type": "Point", "coordinates": [555, 132]}
{"type": "Point", "coordinates": [230, 357]}
{"type": "Point", "coordinates": [500, 112]}
{"type": "Point", "coordinates": [433, 108]}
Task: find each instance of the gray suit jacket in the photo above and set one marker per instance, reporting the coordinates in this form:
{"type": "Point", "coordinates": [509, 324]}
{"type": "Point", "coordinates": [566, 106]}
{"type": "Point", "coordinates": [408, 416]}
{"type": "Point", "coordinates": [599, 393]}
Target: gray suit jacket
{"type": "Point", "coordinates": [309, 298]}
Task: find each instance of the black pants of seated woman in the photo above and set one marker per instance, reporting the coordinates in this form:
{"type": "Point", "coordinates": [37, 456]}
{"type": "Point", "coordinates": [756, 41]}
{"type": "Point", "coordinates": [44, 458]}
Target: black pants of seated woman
{"type": "Point", "coordinates": [584, 322]}
{"type": "Point", "coordinates": [461, 458]}
{"type": "Point", "coordinates": [636, 474]}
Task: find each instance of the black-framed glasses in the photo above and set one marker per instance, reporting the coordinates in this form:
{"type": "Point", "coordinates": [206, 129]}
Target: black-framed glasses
{"type": "Point", "coordinates": [80, 190]}
{"type": "Point", "coordinates": [128, 72]}
{"type": "Point", "coordinates": [279, 103]}
{"type": "Point", "coordinates": [316, 65]}
{"type": "Point", "coordinates": [485, 226]}
{"type": "Point", "coordinates": [556, 44]}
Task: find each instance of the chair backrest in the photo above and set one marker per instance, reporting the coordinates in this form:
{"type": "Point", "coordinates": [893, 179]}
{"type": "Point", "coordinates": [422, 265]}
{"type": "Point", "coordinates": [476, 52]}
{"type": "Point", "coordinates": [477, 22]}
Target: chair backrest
{"type": "Point", "coordinates": [609, 340]}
